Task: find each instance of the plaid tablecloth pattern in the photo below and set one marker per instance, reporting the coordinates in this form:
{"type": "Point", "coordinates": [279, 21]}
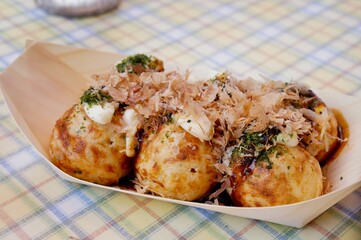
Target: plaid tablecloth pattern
{"type": "Point", "coordinates": [316, 42]}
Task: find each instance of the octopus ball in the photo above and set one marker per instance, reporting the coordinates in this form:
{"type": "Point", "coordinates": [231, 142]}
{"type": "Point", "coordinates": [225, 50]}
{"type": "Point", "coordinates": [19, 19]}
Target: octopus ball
{"type": "Point", "coordinates": [329, 141]}
{"type": "Point", "coordinates": [295, 176]}
{"type": "Point", "coordinates": [174, 164]}
{"type": "Point", "coordinates": [87, 150]}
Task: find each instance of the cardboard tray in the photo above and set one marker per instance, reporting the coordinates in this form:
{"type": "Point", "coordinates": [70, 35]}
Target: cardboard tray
{"type": "Point", "coordinates": [47, 79]}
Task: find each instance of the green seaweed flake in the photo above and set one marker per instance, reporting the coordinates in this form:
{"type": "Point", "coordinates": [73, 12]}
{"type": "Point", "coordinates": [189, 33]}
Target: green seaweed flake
{"type": "Point", "coordinates": [127, 64]}
{"type": "Point", "coordinates": [256, 146]}
{"type": "Point", "coordinates": [94, 97]}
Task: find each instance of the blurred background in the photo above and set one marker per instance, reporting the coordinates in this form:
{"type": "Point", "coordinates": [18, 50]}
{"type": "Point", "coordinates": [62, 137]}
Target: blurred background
{"type": "Point", "coordinates": [289, 40]}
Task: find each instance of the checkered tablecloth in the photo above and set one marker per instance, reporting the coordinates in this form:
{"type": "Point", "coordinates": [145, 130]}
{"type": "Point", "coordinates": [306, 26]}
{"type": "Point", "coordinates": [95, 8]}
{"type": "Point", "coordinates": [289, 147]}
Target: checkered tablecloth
{"type": "Point", "coordinates": [316, 42]}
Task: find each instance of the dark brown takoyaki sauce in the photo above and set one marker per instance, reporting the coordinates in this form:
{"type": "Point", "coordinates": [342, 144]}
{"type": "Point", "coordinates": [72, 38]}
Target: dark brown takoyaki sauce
{"type": "Point", "coordinates": [127, 183]}
{"type": "Point", "coordinates": [343, 134]}
{"type": "Point", "coordinates": [247, 169]}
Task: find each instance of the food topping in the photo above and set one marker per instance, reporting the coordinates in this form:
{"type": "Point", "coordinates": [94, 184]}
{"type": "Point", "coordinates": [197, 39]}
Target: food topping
{"type": "Point", "coordinates": [243, 124]}
{"type": "Point", "coordinates": [139, 63]}
{"type": "Point", "coordinates": [203, 130]}
{"type": "Point", "coordinates": [289, 139]}
{"type": "Point", "coordinates": [131, 123]}
{"type": "Point", "coordinates": [254, 147]}
{"type": "Point", "coordinates": [100, 113]}
{"type": "Point", "coordinates": [97, 106]}
{"type": "Point", "coordinates": [219, 110]}
{"type": "Point", "coordinates": [94, 97]}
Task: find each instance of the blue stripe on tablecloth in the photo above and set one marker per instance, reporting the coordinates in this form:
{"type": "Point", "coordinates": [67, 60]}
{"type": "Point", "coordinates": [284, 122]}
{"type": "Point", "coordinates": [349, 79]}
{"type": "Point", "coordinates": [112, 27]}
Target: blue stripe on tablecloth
{"type": "Point", "coordinates": [313, 57]}
{"type": "Point", "coordinates": [267, 37]}
{"type": "Point", "coordinates": [266, 226]}
{"type": "Point", "coordinates": [73, 38]}
{"type": "Point", "coordinates": [94, 206]}
{"type": "Point", "coordinates": [179, 210]}
{"type": "Point", "coordinates": [207, 217]}
{"type": "Point", "coordinates": [56, 226]}
{"type": "Point", "coordinates": [161, 221]}
{"type": "Point", "coordinates": [172, 40]}
{"type": "Point", "coordinates": [12, 176]}
{"type": "Point", "coordinates": [355, 218]}
{"type": "Point", "coordinates": [353, 214]}
{"type": "Point", "coordinates": [120, 218]}
{"type": "Point", "coordinates": [68, 36]}
{"type": "Point", "coordinates": [287, 233]}
{"type": "Point", "coordinates": [261, 32]}
{"type": "Point", "coordinates": [219, 222]}
{"type": "Point", "coordinates": [10, 133]}
{"type": "Point", "coordinates": [74, 191]}
{"type": "Point", "coordinates": [6, 59]}
{"type": "Point", "coordinates": [37, 13]}
{"type": "Point", "coordinates": [48, 204]}
{"type": "Point", "coordinates": [90, 206]}
{"type": "Point", "coordinates": [71, 35]}
{"type": "Point", "coordinates": [10, 159]}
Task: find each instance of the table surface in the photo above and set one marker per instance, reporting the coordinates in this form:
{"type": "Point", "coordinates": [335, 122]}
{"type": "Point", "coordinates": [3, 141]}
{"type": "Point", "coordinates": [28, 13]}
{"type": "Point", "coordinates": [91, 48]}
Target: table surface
{"type": "Point", "coordinates": [316, 42]}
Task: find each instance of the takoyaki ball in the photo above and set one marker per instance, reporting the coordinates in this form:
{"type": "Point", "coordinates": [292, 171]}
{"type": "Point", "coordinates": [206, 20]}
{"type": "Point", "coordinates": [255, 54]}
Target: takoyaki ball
{"type": "Point", "coordinates": [324, 140]}
{"type": "Point", "coordinates": [87, 150]}
{"type": "Point", "coordinates": [328, 142]}
{"type": "Point", "coordinates": [327, 139]}
{"type": "Point", "coordinates": [293, 176]}
{"type": "Point", "coordinates": [174, 164]}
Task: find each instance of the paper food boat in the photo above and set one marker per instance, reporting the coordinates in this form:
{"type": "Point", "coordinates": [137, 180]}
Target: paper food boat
{"type": "Point", "coordinates": [47, 79]}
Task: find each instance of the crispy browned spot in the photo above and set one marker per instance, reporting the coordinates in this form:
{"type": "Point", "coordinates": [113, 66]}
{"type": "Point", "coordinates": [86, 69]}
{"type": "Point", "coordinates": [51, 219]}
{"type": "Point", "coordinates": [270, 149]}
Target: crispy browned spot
{"type": "Point", "coordinates": [80, 145]}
